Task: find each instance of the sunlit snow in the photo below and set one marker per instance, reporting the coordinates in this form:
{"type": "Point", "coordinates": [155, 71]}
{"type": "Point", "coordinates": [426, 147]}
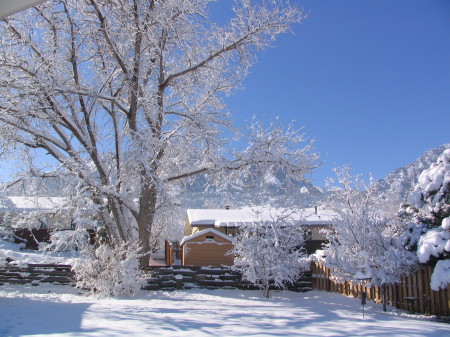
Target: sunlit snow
{"type": "Point", "coordinates": [61, 311]}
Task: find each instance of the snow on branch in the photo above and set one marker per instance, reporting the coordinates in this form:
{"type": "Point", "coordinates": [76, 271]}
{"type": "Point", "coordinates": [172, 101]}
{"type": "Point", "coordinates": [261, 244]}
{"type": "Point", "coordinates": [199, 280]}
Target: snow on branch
{"type": "Point", "coordinates": [368, 238]}
{"type": "Point", "coordinates": [128, 99]}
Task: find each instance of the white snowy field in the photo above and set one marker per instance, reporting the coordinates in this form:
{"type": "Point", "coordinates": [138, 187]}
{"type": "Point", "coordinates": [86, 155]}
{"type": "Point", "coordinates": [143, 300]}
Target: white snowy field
{"type": "Point", "coordinates": [23, 257]}
{"type": "Point", "coordinates": [49, 310]}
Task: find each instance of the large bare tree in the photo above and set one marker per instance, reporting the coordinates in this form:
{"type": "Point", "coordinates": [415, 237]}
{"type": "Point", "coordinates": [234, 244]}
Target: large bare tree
{"type": "Point", "coordinates": [127, 97]}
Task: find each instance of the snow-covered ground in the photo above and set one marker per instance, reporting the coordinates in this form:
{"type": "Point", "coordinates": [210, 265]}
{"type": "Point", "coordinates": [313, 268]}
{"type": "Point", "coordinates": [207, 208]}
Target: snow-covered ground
{"type": "Point", "coordinates": [20, 257]}
{"type": "Point", "coordinates": [61, 311]}
{"type": "Point", "coordinates": [52, 310]}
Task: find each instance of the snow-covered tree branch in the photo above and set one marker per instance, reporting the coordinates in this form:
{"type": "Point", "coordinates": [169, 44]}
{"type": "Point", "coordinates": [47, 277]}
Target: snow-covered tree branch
{"type": "Point", "coordinates": [127, 98]}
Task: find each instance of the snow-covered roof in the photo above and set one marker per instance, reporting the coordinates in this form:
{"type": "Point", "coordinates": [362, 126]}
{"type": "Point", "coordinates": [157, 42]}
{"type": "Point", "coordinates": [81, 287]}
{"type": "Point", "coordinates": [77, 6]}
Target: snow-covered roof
{"type": "Point", "coordinates": [240, 216]}
{"type": "Point", "coordinates": [30, 203]}
{"type": "Point", "coordinates": [207, 230]}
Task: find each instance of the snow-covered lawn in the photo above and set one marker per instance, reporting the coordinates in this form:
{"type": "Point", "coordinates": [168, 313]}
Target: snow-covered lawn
{"type": "Point", "coordinates": [61, 311]}
{"type": "Point", "coordinates": [52, 310]}
{"type": "Point", "coordinates": [23, 257]}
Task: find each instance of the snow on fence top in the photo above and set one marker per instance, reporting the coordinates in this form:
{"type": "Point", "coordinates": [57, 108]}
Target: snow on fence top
{"type": "Point", "coordinates": [238, 217]}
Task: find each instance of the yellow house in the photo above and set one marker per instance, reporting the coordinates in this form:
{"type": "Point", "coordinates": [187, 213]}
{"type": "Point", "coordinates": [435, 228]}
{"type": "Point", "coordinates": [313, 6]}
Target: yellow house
{"type": "Point", "coordinates": [208, 247]}
{"type": "Point", "coordinates": [208, 233]}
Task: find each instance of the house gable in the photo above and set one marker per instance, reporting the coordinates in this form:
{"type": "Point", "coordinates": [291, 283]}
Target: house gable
{"type": "Point", "coordinates": [201, 236]}
{"type": "Point", "coordinates": [208, 247]}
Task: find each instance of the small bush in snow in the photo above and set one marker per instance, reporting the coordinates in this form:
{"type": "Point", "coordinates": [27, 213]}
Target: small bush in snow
{"type": "Point", "coordinates": [109, 270]}
{"type": "Point", "coordinates": [66, 241]}
{"type": "Point", "coordinates": [270, 252]}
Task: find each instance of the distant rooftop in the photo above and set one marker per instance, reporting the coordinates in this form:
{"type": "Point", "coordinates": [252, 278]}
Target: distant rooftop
{"type": "Point", "coordinates": [240, 216]}
{"type": "Point", "coordinates": [31, 203]}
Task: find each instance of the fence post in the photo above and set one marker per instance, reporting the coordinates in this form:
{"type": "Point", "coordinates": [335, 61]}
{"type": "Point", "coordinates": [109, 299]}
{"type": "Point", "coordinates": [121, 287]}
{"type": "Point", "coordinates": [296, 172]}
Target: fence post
{"type": "Point", "coordinates": [327, 278]}
{"type": "Point", "coordinates": [432, 298]}
{"type": "Point", "coordinates": [448, 300]}
{"type": "Point", "coordinates": [420, 291]}
{"type": "Point", "coordinates": [319, 276]}
{"type": "Point", "coordinates": [389, 295]}
{"type": "Point", "coordinates": [437, 303]}
{"type": "Point", "coordinates": [404, 293]}
{"type": "Point", "coordinates": [444, 302]}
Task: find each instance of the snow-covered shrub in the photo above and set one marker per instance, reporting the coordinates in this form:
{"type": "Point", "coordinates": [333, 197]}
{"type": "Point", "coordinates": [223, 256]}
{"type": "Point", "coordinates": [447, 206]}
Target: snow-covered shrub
{"type": "Point", "coordinates": [435, 242]}
{"type": "Point", "coordinates": [67, 240]}
{"type": "Point", "coordinates": [6, 234]}
{"type": "Point", "coordinates": [270, 252]}
{"type": "Point", "coordinates": [441, 275]}
{"type": "Point", "coordinates": [366, 242]}
{"type": "Point", "coordinates": [428, 209]}
{"type": "Point", "coordinates": [109, 270]}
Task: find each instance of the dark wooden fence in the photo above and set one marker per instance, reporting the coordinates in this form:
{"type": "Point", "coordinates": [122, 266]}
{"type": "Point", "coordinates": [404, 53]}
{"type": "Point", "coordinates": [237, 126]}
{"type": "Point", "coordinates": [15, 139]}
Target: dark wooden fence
{"type": "Point", "coordinates": [31, 237]}
{"type": "Point", "coordinates": [413, 293]}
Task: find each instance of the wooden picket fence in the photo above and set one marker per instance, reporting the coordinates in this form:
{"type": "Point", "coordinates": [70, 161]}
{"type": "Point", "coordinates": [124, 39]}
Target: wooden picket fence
{"type": "Point", "coordinates": [413, 293]}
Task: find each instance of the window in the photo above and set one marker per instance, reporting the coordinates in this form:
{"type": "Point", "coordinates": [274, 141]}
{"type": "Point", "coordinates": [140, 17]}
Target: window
{"type": "Point", "coordinates": [210, 237]}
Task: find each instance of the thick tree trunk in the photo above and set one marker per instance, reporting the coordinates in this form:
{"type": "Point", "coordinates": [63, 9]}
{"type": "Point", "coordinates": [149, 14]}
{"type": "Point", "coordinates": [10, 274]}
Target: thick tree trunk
{"type": "Point", "coordinates": [384, 292]}
{"type": "Point", "coordinates": [147, 208]}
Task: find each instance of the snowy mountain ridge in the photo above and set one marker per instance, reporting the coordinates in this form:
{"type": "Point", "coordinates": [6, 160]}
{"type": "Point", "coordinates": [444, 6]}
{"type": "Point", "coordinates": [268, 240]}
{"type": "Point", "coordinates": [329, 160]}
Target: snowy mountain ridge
{"type": "Point", "coordinates": [395, 185]}
{"type": "Point", "coordinates": [400, 182]}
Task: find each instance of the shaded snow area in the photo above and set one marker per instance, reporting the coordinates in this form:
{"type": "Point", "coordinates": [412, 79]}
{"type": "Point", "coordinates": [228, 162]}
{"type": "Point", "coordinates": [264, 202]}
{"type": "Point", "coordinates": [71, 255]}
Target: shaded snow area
{"type": "Point", "coordinates": [61, 311]}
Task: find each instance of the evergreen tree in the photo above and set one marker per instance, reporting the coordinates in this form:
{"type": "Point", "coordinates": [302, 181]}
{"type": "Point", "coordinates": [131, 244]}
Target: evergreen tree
{"type": "Point", "coordinates": [428, 210]}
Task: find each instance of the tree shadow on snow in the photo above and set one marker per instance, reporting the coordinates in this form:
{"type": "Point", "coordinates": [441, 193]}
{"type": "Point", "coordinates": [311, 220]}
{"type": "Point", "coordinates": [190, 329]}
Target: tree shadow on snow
{"type": "Point", "coordinates": [24, 316]}
{"type": "Point", "coordinates": [300, 315]}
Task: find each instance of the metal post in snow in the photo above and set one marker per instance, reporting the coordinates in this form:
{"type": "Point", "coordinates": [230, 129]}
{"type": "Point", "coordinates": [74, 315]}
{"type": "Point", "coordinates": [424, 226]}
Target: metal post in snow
{"type": "Point", "coordinates": [363, 300]}
{"type": "Point", "coordinates": [363, 293]}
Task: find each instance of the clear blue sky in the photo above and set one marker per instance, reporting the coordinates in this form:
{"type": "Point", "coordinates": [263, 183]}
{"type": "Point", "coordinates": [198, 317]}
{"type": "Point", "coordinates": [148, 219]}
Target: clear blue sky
{"type": "Point", "coordinates": [369, 80]}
